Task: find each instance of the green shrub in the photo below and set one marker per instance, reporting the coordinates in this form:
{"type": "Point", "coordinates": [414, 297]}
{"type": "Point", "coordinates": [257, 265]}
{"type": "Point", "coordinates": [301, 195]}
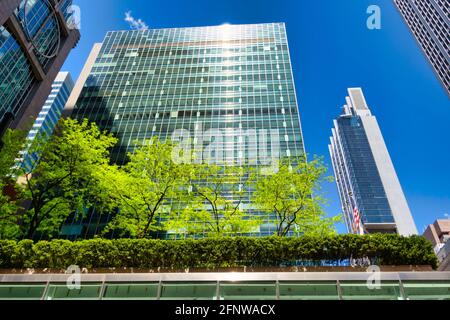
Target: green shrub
{"type": "Point", "coordinates": [381, 249]}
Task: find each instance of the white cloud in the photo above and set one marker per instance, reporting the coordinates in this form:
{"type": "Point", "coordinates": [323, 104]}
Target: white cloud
{"type": "Point", "coordinates": [135, 24]}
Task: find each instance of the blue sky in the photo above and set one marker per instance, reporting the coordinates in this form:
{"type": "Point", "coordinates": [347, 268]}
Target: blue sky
{"type": "Point", "coordinates": [331, 50]}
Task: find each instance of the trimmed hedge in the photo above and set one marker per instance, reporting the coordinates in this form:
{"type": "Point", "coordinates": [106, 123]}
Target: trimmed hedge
{"type": "Point", "coordinates": [215, 252]}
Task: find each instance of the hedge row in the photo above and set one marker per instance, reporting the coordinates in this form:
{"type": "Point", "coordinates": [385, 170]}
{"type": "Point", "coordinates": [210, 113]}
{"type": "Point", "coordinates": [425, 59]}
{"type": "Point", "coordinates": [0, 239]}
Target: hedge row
{"type": "Point", "coordinates": [214, 252]}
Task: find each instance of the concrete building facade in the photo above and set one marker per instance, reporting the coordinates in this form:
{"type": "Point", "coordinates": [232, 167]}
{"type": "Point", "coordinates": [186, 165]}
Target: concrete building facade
{"type": "Point", "coordinates": [438, 234]}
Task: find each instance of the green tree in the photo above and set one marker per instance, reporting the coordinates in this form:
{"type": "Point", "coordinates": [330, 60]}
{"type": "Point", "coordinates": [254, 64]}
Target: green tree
{"type": "Point", "coordinates": [291, 195]}
{"type": "Point", "coordinates": [215, 206]}
{"type": "Point", "coordinates": [10, 193]}
{"type": "Point", "coordinates": [147, 188]}
{"type": "Point", "coordinates": [65, 180]}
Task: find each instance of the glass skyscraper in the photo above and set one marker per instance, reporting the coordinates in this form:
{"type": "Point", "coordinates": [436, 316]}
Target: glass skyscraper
{"type": "Point", "coordinates": [230, 86]}
{"type": "Point", "coordinates": [366, 179]}
{"type": "Point", "coordinates": [49, 115]}
{"type": "Point", "coordinates": [429, 21]}
{"type": "Point", "coordinates": [36, 36]}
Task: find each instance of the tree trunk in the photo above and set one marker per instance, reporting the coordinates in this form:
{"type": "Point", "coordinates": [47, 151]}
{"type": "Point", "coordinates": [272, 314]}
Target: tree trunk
{"type": "Point", "coordinates": [32, 228]}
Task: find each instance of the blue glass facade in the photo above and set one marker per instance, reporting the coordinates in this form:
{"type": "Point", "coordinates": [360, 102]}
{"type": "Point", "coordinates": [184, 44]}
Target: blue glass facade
{"type": "Point", "coordinates": [49, 115]}
{"type": "Point", "coordinates": [40, 24]}
{"type": "Point", "coordinates": [35, 38]}
{"type": "Point", "coordinates": [16, 77]}
{"type": "Point", "coordinates": [364, 179]}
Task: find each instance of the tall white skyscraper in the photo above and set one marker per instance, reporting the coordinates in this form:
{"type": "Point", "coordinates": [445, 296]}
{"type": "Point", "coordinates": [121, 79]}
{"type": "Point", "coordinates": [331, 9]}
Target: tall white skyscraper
{"type": "Point", "coordinates": [370, 192]}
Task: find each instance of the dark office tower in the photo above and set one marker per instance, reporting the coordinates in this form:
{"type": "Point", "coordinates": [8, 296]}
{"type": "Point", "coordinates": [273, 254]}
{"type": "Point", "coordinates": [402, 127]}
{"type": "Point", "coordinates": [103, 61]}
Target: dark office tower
{"type": "Point", "coordinates": [229, 89]}
{"type": "Point", "coordinates": [36, 37]}
{"type": "Point", "coordinates": [370, 192]}
{"type": "Point", "coordinates": [429, 21]}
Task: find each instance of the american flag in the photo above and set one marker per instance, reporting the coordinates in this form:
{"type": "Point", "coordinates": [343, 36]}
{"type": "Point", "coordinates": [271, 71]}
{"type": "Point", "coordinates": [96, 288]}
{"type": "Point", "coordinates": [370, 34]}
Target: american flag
{"type": "Point", "coordinates": [356, 219]}
{"type": "Point", "coordinates": [358, 228]}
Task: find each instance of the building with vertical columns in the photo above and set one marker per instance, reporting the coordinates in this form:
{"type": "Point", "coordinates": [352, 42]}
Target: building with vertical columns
{"type": "Point", "coordinates": [36, 37]}
{"type": "Point", "coordinates": [368, 185]}
{"type": "Point", "coordinates": [49, 116]}
{"type": "Point", "coordinates": [229, 89]}
{"type": "Point", "coordinates": [429, 22]}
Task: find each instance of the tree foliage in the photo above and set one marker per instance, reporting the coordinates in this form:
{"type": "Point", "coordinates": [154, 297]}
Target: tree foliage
{"type": "Point", "coordinates": [291, 196]}
{"type": "Point", "coordinates": [152, 193]}
{"type": "Point", "coordinates": [64, 180]}
{"type": "Point", "coordinates": [10, 193]}
{"type": "Point", "coordinates": [380, 249]}
{"type": "Point", "coordinates": [216, 203]}
{"type": "Point", "coordinates": [147, 188]}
